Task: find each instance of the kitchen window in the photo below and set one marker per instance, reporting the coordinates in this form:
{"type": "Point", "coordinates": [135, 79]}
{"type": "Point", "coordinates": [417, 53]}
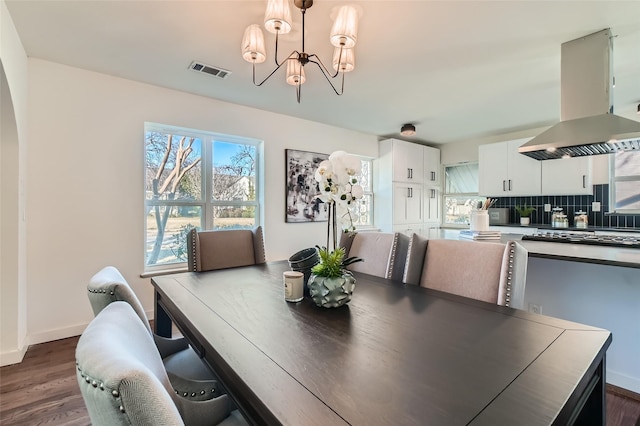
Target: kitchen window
{"type": "Point", "coordinates": [196, 179]}
{"type": "Point", "coordinates": [460, 194]}
{"type": "Point", "coordinates": [624, 191]}
{"type": "Point", "coordinates": [363, 217]}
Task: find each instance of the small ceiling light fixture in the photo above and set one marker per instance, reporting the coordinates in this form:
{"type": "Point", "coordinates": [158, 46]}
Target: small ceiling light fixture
{"type": "Point", "coordinates": [408, 130]}
{"type": "Point", "coordinates": [277, 20]}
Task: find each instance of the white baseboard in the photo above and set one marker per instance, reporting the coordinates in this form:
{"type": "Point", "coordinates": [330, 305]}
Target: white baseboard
{"type": "Point", "coordinates": [56, 334]}
{"type": "Point", "coordinates": [623, 381]}
{"type": "Point", "coordinates": [13, 357]}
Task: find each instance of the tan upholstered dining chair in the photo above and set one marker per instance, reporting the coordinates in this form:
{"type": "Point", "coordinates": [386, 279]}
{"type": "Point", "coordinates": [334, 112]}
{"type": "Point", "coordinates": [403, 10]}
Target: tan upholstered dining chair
{"type": "Point", "coordinates": [383, 253]}
{"type": "Point", "coordinates": [123, 381]}
{"type": "Point", "coordinates": [488, 271]}
{"type": "Point", "coordinates": [210, 250]}
{"type": "Point", "coordinates": [189, 376]}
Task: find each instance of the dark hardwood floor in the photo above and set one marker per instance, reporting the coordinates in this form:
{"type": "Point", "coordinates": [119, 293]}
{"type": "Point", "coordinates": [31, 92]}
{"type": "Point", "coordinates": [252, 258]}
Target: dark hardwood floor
{"type": "Point", "coordinates": [42, 390]}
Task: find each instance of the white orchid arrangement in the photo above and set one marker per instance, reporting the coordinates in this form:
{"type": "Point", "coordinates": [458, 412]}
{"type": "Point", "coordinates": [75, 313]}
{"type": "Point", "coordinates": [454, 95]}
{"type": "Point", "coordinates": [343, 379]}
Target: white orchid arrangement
{"type": "Point", "coordinates": [339, 188]}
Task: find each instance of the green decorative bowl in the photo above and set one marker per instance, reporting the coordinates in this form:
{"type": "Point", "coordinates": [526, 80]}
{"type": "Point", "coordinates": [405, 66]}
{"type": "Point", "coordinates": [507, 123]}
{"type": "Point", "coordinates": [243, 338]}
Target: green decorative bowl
{"type": "Point", "coordinates": [331, 292]}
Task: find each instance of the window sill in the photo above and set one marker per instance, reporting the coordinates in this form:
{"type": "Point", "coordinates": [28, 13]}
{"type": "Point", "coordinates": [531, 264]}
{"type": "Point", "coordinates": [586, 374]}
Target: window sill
{"type": "Point", "coordinates": [158, 273]}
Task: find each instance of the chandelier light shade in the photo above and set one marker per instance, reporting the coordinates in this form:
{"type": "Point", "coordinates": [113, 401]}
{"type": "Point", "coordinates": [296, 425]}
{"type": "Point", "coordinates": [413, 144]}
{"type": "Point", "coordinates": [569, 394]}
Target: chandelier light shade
{"type": "Point", "coordinates": [277, 20]}
{"type": "Point", "coordinates": [295, 72]}
{"type": "Point", "coordinates": [253, 45]}
{"type": "Point", "coordinates": [345, 28]}
{"type": "Point", "coordinates": [343, 59]}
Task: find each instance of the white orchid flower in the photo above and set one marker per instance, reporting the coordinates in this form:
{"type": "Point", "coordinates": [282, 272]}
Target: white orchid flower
{"type": "Point", "coordinates": [339, 185]}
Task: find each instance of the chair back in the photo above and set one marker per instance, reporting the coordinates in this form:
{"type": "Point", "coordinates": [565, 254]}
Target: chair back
{"type": "Point", "coordinates": [120, 373]}
{"type": "Point", "coordinates": [487, 271]}
{"type": "Point", "coordinates": [384, 253]}
{"type": "Point", "coordinates": [209, 250]}
{"type": "Point", "coordinates": [123, 380]}
{"type": "Point", "coordinates": [107, 286]}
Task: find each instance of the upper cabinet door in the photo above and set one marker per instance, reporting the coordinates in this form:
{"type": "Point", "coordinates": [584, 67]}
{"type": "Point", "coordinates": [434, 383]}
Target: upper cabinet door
{"type": "Point", "coordinates": [492, 169]}
{"type": "Point", "coordinates": [524, 172]}
{"type": "Point", "coordinates": [407, 162]}
{"type": "Point", "coordinates": [503, 171]}
{"type": "Point", "coordinates": [570, 176]}
{"type": "Point", "coordinates": [432, 166]}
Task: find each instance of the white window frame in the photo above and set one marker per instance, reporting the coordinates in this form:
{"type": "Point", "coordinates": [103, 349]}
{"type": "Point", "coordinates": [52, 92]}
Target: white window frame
{"type": "Point", "coordinates": [367, 192]}
{"type": "Point", "coordinates": [445, 195]}
{"type": "Point", "coordinates": [613, 179]}
{"type": "Point", "coordinates": [206, 202]}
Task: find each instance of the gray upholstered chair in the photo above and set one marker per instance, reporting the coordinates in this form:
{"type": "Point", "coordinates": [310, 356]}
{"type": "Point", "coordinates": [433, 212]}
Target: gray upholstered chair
{"type": "Point", "coordinates": [209, 250]}
{"type": "Point", "coordinates": [489, 271]}
{"type": "Point", "coordinates": [189, 376]}
{"type": "Point", "coordinates": [384, 253]}
{"type": "Point", "coordinates": [123, 381]}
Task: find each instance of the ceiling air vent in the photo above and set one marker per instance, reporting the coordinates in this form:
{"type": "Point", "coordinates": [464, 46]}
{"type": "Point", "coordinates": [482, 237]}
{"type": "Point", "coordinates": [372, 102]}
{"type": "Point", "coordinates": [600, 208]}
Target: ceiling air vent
{"type": "Point", "coordinates": [208, 69]}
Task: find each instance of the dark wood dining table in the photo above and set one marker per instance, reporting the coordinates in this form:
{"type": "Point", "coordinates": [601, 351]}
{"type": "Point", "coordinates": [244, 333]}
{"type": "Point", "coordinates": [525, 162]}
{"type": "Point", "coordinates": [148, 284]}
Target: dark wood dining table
{"type": "Point", "coordinates": [395, 355]}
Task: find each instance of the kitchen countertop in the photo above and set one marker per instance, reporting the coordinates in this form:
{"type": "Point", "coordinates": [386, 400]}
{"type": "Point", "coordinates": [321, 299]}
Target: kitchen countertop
{"type": "Point", "coordinates": [605, 255]}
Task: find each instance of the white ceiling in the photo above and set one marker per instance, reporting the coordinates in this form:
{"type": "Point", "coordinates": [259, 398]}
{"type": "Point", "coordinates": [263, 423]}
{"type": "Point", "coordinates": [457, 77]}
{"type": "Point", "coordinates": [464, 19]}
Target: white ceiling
{"type": "Point", "coordinates": [456, 69]}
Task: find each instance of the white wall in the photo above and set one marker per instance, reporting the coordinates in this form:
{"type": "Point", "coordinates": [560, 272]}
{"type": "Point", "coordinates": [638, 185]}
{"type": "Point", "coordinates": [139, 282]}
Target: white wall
{"type": "Point", "coordinates": [599, 295]}
{"type": "Point", "coordinates": [13, 142]}
{"type": "Point", "coordinates": [85, 172]}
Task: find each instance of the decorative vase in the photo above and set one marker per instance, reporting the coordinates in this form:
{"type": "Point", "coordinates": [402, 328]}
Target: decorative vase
{"type": "Point", "coordinates": [479, 220]}
{"type": "Point", "coordinates": [525, 221]}
{"type": "Point", "coordinates": [330, 292]}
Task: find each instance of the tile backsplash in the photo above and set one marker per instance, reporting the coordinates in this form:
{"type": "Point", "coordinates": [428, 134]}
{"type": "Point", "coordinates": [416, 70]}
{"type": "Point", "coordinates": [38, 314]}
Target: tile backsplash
{"type": "Point", "coordinates": [571, 204]}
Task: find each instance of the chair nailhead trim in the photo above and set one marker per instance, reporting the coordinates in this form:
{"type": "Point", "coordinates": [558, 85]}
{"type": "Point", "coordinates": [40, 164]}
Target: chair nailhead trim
{"type": "Point", "coordinates": [100, 291]}
{"type": "Point", "coordinates": [193, 394]}
{"type": "Point", "coordinates": [510, 272]}
{"type": "Point", "coordinates": [95, 384]}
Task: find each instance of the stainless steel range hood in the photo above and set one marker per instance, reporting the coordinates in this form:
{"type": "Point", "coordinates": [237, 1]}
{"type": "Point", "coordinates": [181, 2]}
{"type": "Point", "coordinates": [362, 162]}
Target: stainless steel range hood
{"type": "Point", "coordinates": [588, 125]}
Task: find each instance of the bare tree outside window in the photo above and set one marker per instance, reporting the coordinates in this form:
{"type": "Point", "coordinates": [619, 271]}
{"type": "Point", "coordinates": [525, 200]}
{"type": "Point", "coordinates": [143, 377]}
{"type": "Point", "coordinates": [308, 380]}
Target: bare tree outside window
{"type": "Point", "coordinates": [195, 180]}
{"type": "Point", "coordinates": [170, 159]}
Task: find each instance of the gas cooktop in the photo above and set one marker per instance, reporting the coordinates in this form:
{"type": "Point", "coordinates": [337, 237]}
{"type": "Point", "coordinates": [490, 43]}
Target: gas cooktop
{"type": "Point", "coordinates": [586, 238]}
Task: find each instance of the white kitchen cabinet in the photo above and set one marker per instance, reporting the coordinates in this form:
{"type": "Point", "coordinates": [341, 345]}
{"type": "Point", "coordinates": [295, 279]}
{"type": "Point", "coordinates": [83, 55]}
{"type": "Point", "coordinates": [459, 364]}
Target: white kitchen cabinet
{"type": "Point", "coordinates": [503, 171]}
{"type": "Point", "coordinates": [408, 229]}
{"type": "Point", "coordinates": [401, 203]}
{"type": "Point", "coordinates": [407, 203]}
{"type": "Point", "coordinates": [431, 166]}
{"type": "Point", "coordinates": [567, 176]}
{"type": "Point", "coordinates": [406, 158]}
{"type": "Point", "coordinates": [432, 205]}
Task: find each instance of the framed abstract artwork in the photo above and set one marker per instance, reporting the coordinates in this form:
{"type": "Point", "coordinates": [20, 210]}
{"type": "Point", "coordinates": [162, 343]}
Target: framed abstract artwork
{"type": "Point", "coordinates": [301, 190]}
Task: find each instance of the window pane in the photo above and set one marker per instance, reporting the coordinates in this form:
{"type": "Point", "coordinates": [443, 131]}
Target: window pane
{"type": "Point", "coordinates": [365, 175]}
{"type": "Point", "coordinates": [458, 209]}
{"type": "Point", "coordinates": [627, 195]}
{"type": "Point", "coordinates": [234, 217]}
{"type": "Point", "coordinates": [461, 179]}
{"type": "Point", "coordinates": [234, 172]}
{"type": "Point", "coordinates": [627, 163]}
{"type": "Point", "coordinates": [167, 229]}
{"type": "Point", "coordinates": [362, 214]}
{"type": "Point", "coordinates": [172, 167]}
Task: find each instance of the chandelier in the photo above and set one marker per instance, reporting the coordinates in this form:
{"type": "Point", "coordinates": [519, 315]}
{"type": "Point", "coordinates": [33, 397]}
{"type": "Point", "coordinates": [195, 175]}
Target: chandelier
{"type": "Point", "coordinates": [277, 20]}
